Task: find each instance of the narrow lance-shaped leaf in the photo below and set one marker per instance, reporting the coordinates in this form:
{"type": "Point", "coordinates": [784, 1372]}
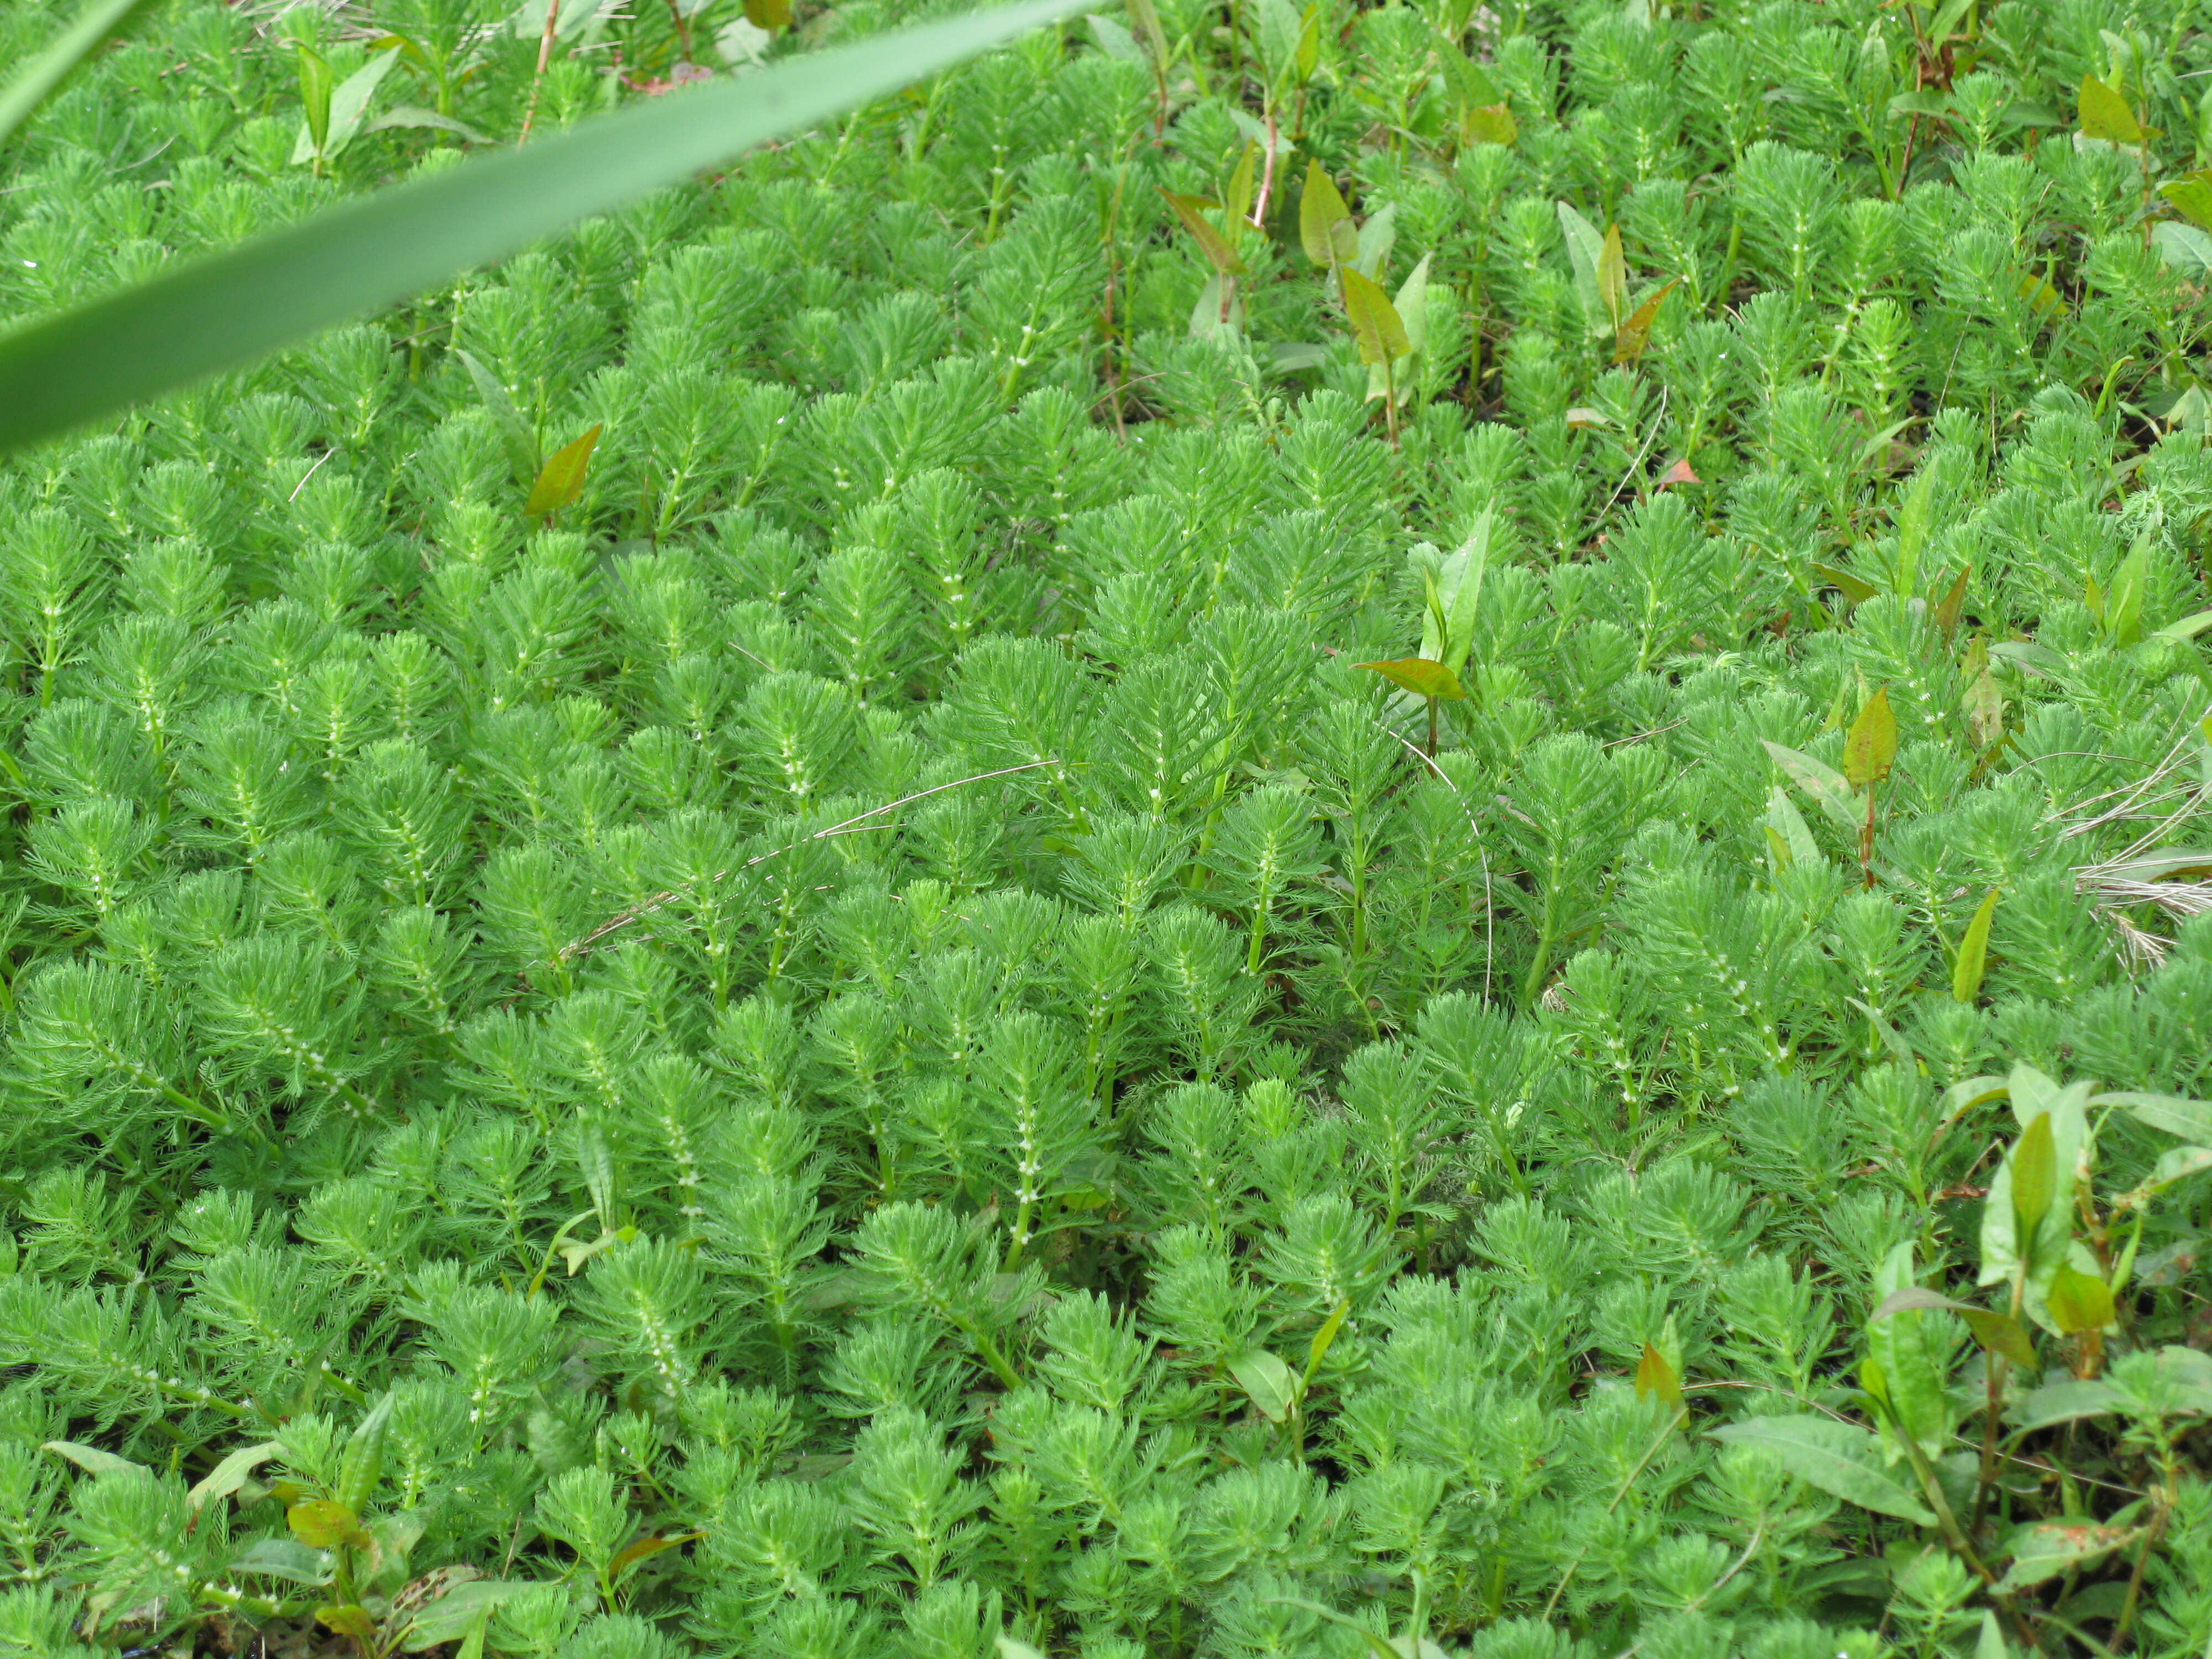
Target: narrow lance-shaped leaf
{"type": "Point", "coordinates": [1974, 951]}
{"type": "Point", "coordinates": [215, 312]}
{"type": "Point", "coordinates": [2034, 1180]}
{"type": "Point", "coordinates": [1218, 254]}
{"type": "Point", "coordinates": [1612, 275]}
{"type": "Point", "coordinates": [316, 82]}
{"type": "Point", "coordinates": [42, 74]}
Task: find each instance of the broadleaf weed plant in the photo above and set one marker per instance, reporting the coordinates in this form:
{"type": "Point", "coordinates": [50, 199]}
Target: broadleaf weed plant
{"type": "Point", "coordinates": [723, 943]}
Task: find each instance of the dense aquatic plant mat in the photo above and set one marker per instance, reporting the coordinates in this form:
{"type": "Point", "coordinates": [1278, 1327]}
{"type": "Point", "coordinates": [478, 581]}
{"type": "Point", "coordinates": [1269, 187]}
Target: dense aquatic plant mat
{"type": "Point", "coordinates": [1271, 831]}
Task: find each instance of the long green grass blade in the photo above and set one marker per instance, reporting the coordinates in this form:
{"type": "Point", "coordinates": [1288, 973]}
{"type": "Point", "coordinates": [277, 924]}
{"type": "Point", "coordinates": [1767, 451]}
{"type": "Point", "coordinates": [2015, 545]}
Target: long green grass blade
{"type": "Point", "coordinates": [226, 309]}
{"type": "Point", "coordinates": [29, 89]}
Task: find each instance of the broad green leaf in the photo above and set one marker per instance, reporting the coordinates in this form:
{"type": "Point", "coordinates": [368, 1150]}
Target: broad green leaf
{"type": "Point", "coordinates": [1840, 1459]}
{"type": "Point", "coordinates": [321, 1524]}
{"type": "Point", "coordinates": [1373, 241]}
{"type": "Point", "coordinates": [287, 1559]}
{"type": "Point", "coordinates": [1989, 1644]}
{"type": "Point", "coordinates": [1788, 827]}
{"type": "Point", "coordinates": [1010, 1648]}
{"type": "Point", "coordinates": [1586, 252]}
{"type": "Point", "coordinates": [228, 1476]}
{"type": "Point", "coordinates": [2123, 604]}
{"type": "Point", "coordinates": [1913, 1349]}
{"type": "Point", "coordinates": [2189, 1120]}
{"type": "Point", "coordinates": [1116, 41]}
{"type": "Point", "coordinates": [2000, 1334]}
{"type": "Point", "coordinates": [1375, 320]}
{"type": "Point", "coordinates": [1211, 242]}
{"type": "Point", "coordinates": [1267, 1381]}
{"type": "Point", "coordinates": [316, 83]}
{"type": "Point", "coordinates": [347, 107]}
{"type": "Point", "coordinates": [449, 1617]}
{"type": "Point", "coordinates": [1870, 746]}
{"type": "Point", "coordinates": [1982, 702]}
{"type": "Point", "coordinates": [1466, 80]}
{"type": "Point", "coordinates": [1974, 952]}
{"type": "Point", "coordinates": [561, 480]}
{"type": "Point", "coordinates": [2185, 248]}
{"type": "Point", "coordinates": [2065, 1402]}
{"type": "Point", "coordinates": [1325, 228]}
{"type": "Point", "coordinates": [362, 1466]}
{"type": "Point", "coordinates": [91, 1459]}
{"type": "Point", "coordinates": [37, 78]}
{"type": "Point", "coordinates": [2034, 1167]}
{"type": "Point", "coordinates": [2192, 196]}
{"type": "Point", "coordinates": [2187, 629]}
{"type": "Point", "coordinates": [1916, 519]}
{"type": "Point", "coordinates": [213, 313]}
{"type": "Point", "coordinates": [2104, 115]}
{"type": "Point", "coordinates": [2044, 1549]}
{"type": "Point", "coordinates": [2078, 1302]}
{"type": "Point", "coordinates": [1822, 782]}
{"type": "Point", "coordinates": [1454, 587]}
{"type": "Point", "coordinates": [1423, 677]}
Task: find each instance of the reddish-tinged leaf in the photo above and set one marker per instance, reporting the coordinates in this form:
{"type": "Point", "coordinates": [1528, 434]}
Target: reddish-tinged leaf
{"type": "Point", "coordinates": [1211, 242]}
{"type": "Point", "coordinates": [1870, 746]}
{"type": "Point", "coordinates": [1680, 473]}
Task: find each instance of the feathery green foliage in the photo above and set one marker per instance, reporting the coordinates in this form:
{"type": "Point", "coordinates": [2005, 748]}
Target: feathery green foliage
{"type": "Point", "coordinates": [847, 1021]}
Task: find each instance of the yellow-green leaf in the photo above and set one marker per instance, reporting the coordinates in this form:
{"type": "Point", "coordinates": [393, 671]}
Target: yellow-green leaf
{"type": "Point", "coordinates": [316, 84]}
{"type": "Point", "coordinates": [1490, 123]}
{"type": "Point", "coordinates": [561, 480]}
{"type": "Point", "coordinates": [769, 15]}
{"type": "Point", "coordinates": [1870, 746]}
{"type": "Point", "coordinates": [1325, 228]}
{"type": "Point", "coordinates": [1211, 242]}
{"type": "Point", "coordinates": [1656, 1378]}
{"type": "Point", "coordinates": [2105, 114]}
{"type": "Point", "coordinates": [1612, 274]}
{"type": "Point", "coordinates": [1974, 952]}
{"type": "Point", "coordinates": [645, 1549]}
{"type": "Point", "coordinates": [1420, 676]}
{"type": "Point", "coordinates": [1375, 320]}
{"type": "Point", "coordinates": [347, 1619]}
{"type": "Point", "coordinates": [2078, 1302]}
{"type": "Point", "coordinates": [2191, 196]}
{"type": "Point", "coordinates": [322, 1524]}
